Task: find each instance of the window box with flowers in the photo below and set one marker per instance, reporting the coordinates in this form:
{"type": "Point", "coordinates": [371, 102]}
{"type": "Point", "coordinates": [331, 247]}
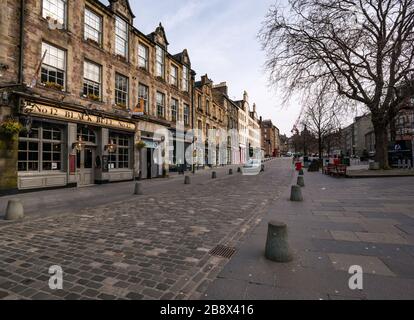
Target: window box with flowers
{"type": "Point", "coordinates": [93, 97]}
{"type": "Point", "coordinates": [54, 86]}
{"type": "Point", "coordinates": [93, 42]}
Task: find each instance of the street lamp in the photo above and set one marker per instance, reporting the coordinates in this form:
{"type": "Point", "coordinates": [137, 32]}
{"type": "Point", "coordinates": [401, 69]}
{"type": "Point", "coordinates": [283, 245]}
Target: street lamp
{"type": "Point", "coordinates": [78, 145]}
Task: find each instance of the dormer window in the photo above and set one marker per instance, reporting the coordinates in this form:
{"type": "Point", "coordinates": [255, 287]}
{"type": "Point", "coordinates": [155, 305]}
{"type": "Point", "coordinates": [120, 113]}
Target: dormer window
{"type": "Point", "coordinates": [159, 62]}
{"type": "Point", "coordinates": [55, 10]}
{"type": "Point", "coordinates": [121, 37]}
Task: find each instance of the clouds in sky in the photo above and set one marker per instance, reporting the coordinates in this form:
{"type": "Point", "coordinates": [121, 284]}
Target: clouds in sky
{"type": "Point", "coordinates": [221, 38]}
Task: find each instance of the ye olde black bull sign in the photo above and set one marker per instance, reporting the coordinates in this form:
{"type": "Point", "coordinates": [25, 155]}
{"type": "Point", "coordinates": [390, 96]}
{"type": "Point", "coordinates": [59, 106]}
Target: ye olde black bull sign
{"type": "Point", "coordinates": [31, 108]}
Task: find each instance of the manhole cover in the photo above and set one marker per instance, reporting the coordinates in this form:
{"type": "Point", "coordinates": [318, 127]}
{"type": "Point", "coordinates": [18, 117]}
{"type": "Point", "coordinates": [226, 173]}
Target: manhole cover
{"type": "Point", "coordinates": [223, 251]}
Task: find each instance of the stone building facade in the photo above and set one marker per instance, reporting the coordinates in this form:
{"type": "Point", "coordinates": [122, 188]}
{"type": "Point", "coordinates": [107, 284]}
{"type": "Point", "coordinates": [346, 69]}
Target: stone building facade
{"type": "Point", "coordinates": [95, 97]}
{"type": "Point", "coordinates": [270, 139]}
{"type": "Point", "coordinates": [211, 122]}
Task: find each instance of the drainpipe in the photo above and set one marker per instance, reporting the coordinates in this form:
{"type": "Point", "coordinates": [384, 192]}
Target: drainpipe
{"type": "Point", "coordinates": [21, 46]}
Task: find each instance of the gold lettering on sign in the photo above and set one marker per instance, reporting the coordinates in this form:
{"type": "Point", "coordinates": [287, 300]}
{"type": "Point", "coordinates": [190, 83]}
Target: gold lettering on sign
{"type": "Point", "coordinates": [53, 112]}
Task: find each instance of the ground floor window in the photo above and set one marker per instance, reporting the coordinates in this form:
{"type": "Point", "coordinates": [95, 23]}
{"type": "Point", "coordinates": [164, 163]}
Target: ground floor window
{"type": "Point", "coordinates": [40, 149]}
{"type": "Point", "coordinates": [120, 158]}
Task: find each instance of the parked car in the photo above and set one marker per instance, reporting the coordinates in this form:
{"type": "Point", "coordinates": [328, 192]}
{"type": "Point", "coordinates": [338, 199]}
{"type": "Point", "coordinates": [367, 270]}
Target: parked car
{"type": "Point", "coordinates": [253, 167]}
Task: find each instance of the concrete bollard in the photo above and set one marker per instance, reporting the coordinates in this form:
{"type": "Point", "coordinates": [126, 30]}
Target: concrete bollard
{"type": "Point", "coordinates": [187, 180]}
{"type": "Point", "coordinates": [230, 171]}
{"type": "Point", "coordinates": [14, 210]}
{"type": "Point", "coordinates": [277, 247]}
{"type": "Point", "coordinates": [138, 190]}
{"type": "Point", "coordinates": [213, 175]}
{"type": "Point", "coordinates": [301, 173]}
{"type": "Point", "coordinates": [296, 194]}
{"type": "Point", "coordinates": [301, 181]}
{"type": "Point", "coordinates": [238, 169]}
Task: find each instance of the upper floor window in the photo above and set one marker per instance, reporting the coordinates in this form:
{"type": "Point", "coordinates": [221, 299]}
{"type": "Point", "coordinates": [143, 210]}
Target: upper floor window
{"type": "Point", "coordinates": [174, 110]}
{"type": "Point", "coordinates": [199, 102]}
{"type": "Point", "coordinates": [208, 107]}
{"type": "Point", "coordinates": [121, 37]}
{"type": "Point", "coordinates": [55, 10]}
{"type": "Point", "coordinates": [160, 105]}
{"type": "Point", "coordinates": [159, 62]}
{"type": "Point", "coordinates": [53, 67]}
{"type": "Point", "coordinates": [186, 114]}
{"type": "Point", "coordinates": [174, 76]}
{"type": "Point", "coordinates": [92, 80]}
{"type": "Point", "coordinates": [185, 79]}
{"type": "Point", "coordinates": [121, 90]}
{"type": "Point", "coordinates": [93, 26]}
{"type": "Point", "coordinates": [143, 56]}
{"type": "Point", "coordinates": [143, 95]}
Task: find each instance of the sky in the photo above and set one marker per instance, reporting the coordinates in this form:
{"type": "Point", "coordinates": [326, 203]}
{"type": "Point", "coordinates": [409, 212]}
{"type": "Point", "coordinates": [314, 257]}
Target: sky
{"type": "Point", "coordinates": [221, 39]}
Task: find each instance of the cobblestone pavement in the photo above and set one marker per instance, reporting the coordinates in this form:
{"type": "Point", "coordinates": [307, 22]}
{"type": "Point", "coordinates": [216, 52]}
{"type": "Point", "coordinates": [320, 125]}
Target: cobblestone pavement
{"type": "Point", "coordinates": [154, 246]}
{"type": "Point", "coordinates": [341, 223]}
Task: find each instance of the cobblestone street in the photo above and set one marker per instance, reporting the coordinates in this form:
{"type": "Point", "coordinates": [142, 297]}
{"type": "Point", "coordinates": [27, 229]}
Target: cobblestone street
{"type": "Point", "coordinates": [154, 246]}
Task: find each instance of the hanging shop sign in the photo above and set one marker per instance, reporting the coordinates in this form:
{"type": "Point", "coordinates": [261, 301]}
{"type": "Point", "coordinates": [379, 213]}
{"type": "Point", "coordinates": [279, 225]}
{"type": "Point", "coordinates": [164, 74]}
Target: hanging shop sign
{"type": "Point", "coordinates": [31, 108]}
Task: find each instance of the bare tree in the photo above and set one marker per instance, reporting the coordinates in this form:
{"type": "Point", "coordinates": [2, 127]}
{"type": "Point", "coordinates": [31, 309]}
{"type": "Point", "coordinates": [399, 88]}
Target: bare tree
{"type": "Point", "coordinates": [363, 48]}
{"type": "Point", "coordinates": [322, 116]}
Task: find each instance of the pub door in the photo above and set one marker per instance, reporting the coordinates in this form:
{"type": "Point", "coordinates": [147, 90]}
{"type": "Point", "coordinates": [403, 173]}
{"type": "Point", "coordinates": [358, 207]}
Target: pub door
{"type": "Point", "coordinates": [85, 168]}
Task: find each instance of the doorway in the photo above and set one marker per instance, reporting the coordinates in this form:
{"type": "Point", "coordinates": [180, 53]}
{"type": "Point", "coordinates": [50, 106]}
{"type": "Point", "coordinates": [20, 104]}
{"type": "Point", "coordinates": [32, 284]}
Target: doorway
{"type": "Point", "coordinates": [85, 168]}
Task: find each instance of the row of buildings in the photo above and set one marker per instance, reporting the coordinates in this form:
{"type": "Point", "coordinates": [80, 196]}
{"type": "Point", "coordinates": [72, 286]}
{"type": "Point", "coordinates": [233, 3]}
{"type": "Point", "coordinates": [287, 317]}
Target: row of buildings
{"type": "Point", "coordinates": [358, 139]}
{"type": "Point", "coordinates": [93, 100]}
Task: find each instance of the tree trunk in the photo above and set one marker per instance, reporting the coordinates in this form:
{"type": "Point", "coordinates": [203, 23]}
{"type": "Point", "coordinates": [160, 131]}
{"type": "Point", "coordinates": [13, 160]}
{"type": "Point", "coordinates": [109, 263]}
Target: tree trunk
{"type": "Point", "coordinates": [381, 145]}
{"type": "Point", "coordinates": [320, 146]}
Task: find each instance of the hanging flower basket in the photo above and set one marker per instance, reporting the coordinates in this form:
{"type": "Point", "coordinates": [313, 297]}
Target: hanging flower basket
{"type": "Point", "coordinates": [140, 145]}
{"type": "Point", "coordinates": [10, 128]}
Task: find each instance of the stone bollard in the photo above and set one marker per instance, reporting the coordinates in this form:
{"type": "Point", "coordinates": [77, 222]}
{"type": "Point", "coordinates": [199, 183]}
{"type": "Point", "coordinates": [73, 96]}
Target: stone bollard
{"type": "Point", "coordinates": [296, 194]}
{"type": "Point", "coordinates": [301, 181]}
{"type": "Point", "coordinates": [277, 247]}
{"type": "Point", "coordinates": [238, 169]}
{"type": "Point", "coordinates": [213, 175]}
{"type": "Point", "coordinates": [14, 210]}
{"type": "Point", "coordinates": [230, 171]}
{"type": "Point", "coordinates": [138, 190]}
{"type": "Point", "coordinates": [301, 173]}
{"type": "Point", "coordinates": [187, 180]}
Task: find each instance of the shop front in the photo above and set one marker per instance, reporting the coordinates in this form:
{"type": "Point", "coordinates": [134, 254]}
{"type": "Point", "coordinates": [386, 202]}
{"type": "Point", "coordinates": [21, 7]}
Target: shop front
{"type": "Point", "coordinates": [68, 147]}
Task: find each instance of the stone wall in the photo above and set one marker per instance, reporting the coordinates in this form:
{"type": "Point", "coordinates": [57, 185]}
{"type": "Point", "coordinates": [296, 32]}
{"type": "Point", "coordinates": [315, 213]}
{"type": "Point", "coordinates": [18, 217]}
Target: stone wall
{"type": "Point", "coordinates": [8, 157]}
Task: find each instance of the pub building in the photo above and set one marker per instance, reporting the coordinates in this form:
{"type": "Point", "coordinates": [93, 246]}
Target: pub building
{"type": "Point", "coordinates": [65, 146]}
{"type": "Point", "coordinates": [89, 91]}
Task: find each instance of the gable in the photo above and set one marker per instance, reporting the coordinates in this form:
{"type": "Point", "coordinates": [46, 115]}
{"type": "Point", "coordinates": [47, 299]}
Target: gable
{"type": "Point", "coordinates": [123, 7]}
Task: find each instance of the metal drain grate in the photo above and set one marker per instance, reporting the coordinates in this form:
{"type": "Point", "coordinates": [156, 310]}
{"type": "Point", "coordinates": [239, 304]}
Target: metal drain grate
{"type": "Point", "coordinates": [222, 251]}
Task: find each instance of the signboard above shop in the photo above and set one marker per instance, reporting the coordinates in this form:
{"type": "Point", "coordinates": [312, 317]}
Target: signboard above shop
{"type": "Point", "coordinates": [31, 108]}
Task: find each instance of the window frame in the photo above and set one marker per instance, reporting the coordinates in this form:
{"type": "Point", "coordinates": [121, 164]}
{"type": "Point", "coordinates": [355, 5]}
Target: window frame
{"type": "Point", "coordinates": [146, 106]}
{"type": "Point", "coordinates": [86, 81]}
{"type": "Point", "coordinates": [160, 106]}
{"type": "Point", "coordinates": [41, 150]}
{"type": "Point", "coordinates": [114, 157]}
{"type": "Point", "coordinates": [101, 25]}
{"type": "Point", "coordinates": [175, 116]}
{"type": "Point", "coordinates": [186, 113]}
{"type": "Point", "coordinates": [65, 15]}
{"type": "Point", "coordinates": [118, 90]}
{"type": "Point", "coordinates": [146, 58]}
{"type": "Point", "coordinates": [185, 79]}
{"type": "Point", "coordinates": [159, 49]}
{"type": "Point", "coordinates": [174, 79]}
{"type": "Point", "coordinates": [50, 67]}
{"type": "Point", "coordinates": [125, 54]}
